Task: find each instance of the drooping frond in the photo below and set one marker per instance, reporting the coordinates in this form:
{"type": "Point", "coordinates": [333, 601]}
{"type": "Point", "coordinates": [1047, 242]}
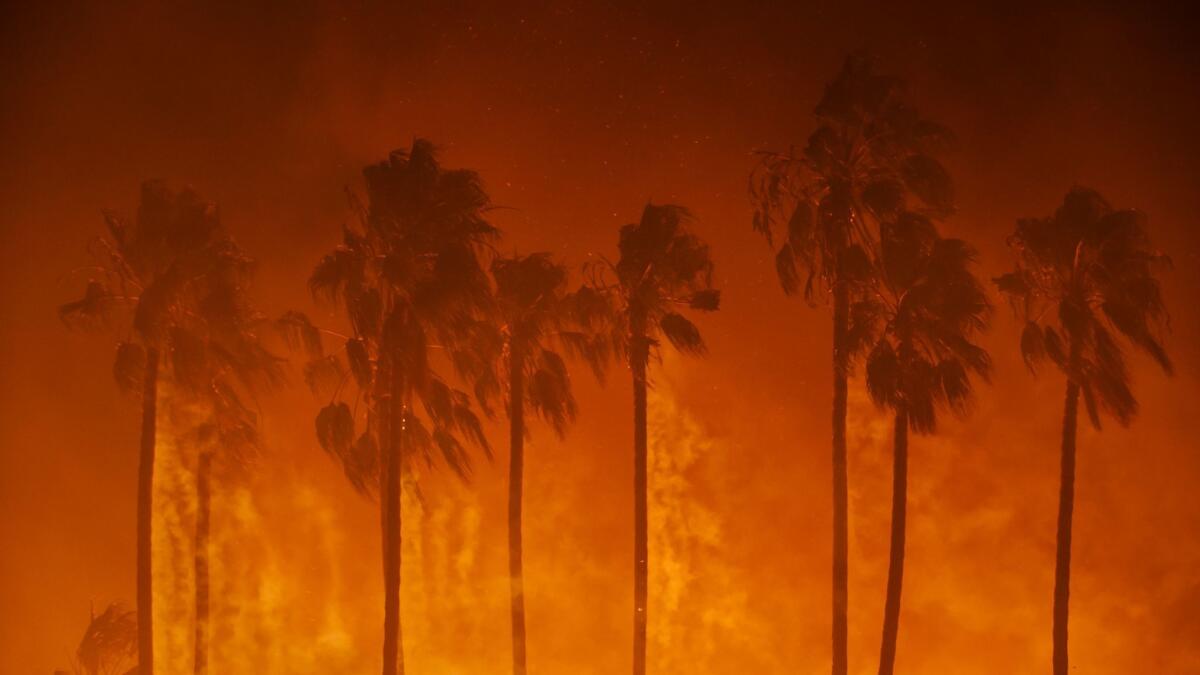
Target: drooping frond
{"type": "Point", "coordinates": [300, 333]}
{"type": "Point", "coordinates": [324, 374]}
{"type": "Point", "coordinates": [360, 362]}
{"type": "Point", "coordinates": [549, 391]}
{"type": "Point", "coordinates": [883, 375]}
{"type": "Point", "coordinates": [683, 334]}
{"type": "Point", "coordinates": [335, 429]}
{"type": "Point", "coordinates": [91, 312]}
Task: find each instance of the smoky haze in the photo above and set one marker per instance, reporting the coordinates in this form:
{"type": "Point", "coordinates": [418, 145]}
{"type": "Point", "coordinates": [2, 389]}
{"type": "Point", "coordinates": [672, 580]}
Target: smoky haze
{"type": "Point", "coordinates": [575, 115]}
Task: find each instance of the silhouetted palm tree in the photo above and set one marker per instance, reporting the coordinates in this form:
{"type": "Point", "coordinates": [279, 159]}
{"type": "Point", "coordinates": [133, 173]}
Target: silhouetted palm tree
{"type": "Point", "coordinates": [410, 279]}
{"type": "Point", "coordinates": [109, 645]}
{"type": "Point", "coordinates": [537, 317]}
{"type": "Point", "coordinates": [155, 271]}
{"type": "Point", "coordinates": [917, 333]}
{"type": "Point", "coordinates": [663, 269]}
{"type": "Point", "coordinates": [871, 155]}
{"type": "Point", "coordinates": [220, 361]}
{"type": "Point", "coordinates": [1084, 276]}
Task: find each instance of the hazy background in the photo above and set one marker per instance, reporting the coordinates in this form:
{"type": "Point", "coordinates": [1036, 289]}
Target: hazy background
{"type": "Point", "coordinates": [576, 114]}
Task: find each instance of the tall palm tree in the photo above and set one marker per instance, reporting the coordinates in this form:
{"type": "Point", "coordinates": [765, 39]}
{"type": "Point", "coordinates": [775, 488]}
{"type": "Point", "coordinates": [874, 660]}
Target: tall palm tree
{"type": "Point", "coordinates": [154, 272]}
{"type": "Point", "coordinates": [871, 154]}
{"type": "Point", "coordinates": [917, 332]}
{"type": "Point", "coordinates": [1084, 276]}
{"type": "Point", "coordinates": [538, 317]}
{"type": "Point", "coordinates": [663, 269]}
{"type": "Point", "coordinates": [411, 280]}
{"type": "Point", "coordinates": [219, 361]}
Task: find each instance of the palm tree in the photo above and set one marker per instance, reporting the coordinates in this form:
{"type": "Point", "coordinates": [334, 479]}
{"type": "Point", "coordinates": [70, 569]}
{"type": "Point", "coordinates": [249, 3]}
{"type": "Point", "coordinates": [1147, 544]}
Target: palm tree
{"type": "Point", "coordinates": [1084, 276]}
{"type": "Point", "coordinates": [917, 332]}
{"type": "Point", "coordinates": [154, 271]}
{"type": "Point", "coordinates": [109, 644]}
{"type": "Point", "coordinates": [220, 360]}
{"type": "Point", "coordinates": [537, 314]}
{"type": "Point", "coordinates": [871, 154]}
{"type": "Point", "coordinates": [663, 268]}
{"type": "Point", "coordinates": [410, 278]}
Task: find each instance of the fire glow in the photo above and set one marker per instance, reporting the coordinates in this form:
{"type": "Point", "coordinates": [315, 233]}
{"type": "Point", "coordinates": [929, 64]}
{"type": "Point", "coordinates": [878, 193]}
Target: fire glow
{"type": "Point", "coordinates": [560, 125]}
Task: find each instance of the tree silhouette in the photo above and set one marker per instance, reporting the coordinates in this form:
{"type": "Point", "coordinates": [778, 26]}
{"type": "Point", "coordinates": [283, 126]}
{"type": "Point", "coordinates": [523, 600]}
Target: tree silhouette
{"type": "Point", "coordinates": [537, 318]}
{"type": "Point", "coordinates": [663, 269]}
{"type": "Point", "coordinates": [220, 364]}
{"type": "Point", "coordinates": [1084, 276]}
{"type": "Point", "coordinates": [109, 645]}
{"type": "Point", "coordinates": [870, 156]}
{"type": "Point", "coordinates": [156, 272]}
{"type": "Point", "coordinates": [410, 279]}
{"type": "Point", "coordinates": [917, 332]}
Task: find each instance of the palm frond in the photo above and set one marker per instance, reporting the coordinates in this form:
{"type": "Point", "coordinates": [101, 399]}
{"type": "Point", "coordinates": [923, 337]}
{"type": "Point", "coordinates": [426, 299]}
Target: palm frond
{"type": "Point", "coordinates": [92, 311]}
{"type": "Point", "coordinates": [324, 374]}
{"type": "Point", "coordinates": [299, 332]}
{"type": "Point", "coordinates": [549, 391]}
{"type": "Point", "coordinates": [683, 334]}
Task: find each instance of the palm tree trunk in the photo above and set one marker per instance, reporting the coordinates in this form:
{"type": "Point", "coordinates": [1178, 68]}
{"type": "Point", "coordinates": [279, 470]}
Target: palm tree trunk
{"type": "Point", "coordinates": [203, 512]}
{"type": "Point", "coordinates": [145, 513]}
{"type": "Point", "coordinates": [1066, 509]}
{"type": "Point", "coordinates": [841, 508]}
{"type": "Point", "coordinates": [393, 640]}
{"type": "Point", "coordinates": [640, 515]}
{"type": "Point", "coordinates": [516, 468]}
{"type": "Point", "coordinates": [895, 579]}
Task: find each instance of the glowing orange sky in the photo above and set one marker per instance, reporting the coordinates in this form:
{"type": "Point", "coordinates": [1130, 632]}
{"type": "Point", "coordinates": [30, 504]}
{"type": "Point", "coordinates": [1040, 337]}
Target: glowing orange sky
{"type": "Point", "coordinates": [575, 115]}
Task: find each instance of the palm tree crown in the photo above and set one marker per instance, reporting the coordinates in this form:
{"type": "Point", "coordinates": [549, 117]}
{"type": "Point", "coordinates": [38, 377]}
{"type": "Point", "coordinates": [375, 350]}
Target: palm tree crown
{"type": "Point", "coordinates": [871, 155]}
{"type": "Point", "coordinates": [919, 327]}
{"type": "Point", "coordinates": [1082, 276]}
{"type": "Point", "coordinates": [176, 274]}
{"type": "Point", "coordinates": [410, 278]}
{"type": "Point", "coordinates": [539, 317]}
{"type": "Point", "coordinates": [663, 269]}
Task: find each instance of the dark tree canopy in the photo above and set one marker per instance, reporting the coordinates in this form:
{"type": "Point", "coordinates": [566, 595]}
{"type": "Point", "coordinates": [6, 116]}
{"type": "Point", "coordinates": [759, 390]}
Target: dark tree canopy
{"type": "Point", "coordinates": [663, 270]}
{"type": "Point", "coordinates": [411, 279]}
{"type": "Point", "coordinates": [1083, 277]}
{"type": "Point", "coordinates": [179, 283]}
{"type": "Point", "coordinates": [538, 318]}
{"type": "Point", "coordinates": [918, 330]}
{"type": "Point", "coordinates": [871, 158]}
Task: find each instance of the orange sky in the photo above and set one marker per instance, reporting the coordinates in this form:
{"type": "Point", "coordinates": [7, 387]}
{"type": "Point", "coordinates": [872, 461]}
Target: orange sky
{"type": "Point", "coordinates": [575, 115]}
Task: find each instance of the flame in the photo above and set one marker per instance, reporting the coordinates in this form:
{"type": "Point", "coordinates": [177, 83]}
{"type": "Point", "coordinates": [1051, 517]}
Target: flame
{"type": "Point", "coordinates": [699, 611]}
{"type": "Point", "coordinates": [173, 526]}
{"type": "Point", "coordinates": [278, 604]}
{"type": "Point", "coordinates": [289, 595]}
